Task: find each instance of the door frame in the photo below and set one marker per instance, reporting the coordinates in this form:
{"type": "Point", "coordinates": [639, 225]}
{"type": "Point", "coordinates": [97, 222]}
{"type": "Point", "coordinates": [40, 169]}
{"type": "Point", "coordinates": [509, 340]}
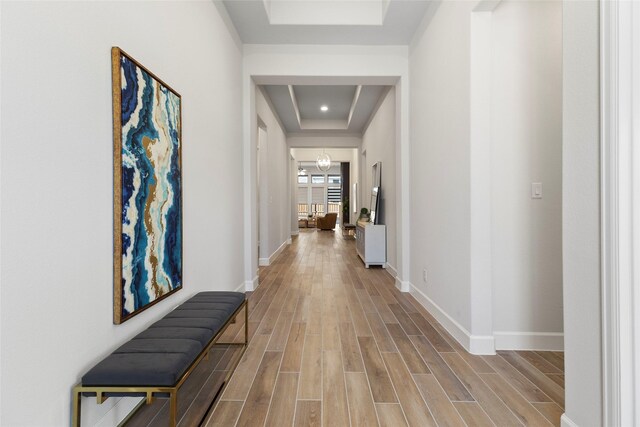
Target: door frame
{"type": "Point", "coordinates": [620, 205]}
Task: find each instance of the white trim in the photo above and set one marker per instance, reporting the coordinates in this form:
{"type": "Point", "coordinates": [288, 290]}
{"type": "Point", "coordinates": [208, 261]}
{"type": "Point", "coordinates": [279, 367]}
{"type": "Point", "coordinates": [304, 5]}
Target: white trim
{"type": "Point", "coordinates": [241, 288]}
{"type": "Point", "coordinates": [354, 102]}
{"type": "Point", "coordinates": [251, 285]}
{"type": "Point", "coordinates": [482, 344]}
{"type": "Point", "coordinates": [295, 232]}
{"type": "Point", "coordinates": [266, 262]}
{"type": "Point", "coordinates": [272, 107]}
{"type": "Point", "coordinates": [119, 410]}
{"type": "Point", "coordinates": [620, 198]}
{"type": "Point", "coordinates": [403, 182]}
{"type": "Point", "coordinates": [481, 274]}
{"type": "Point", "coordinates": [401, 285]}
{"type": "Point", "coordinates": [610, 346]}
{"type": "Point", "coordinates": [451, 325]}
{"type": "Point", "coordinates": [279, 250]}
{"type": "Point", "coordinates": [566, 422]}
{"type": "Point", "coordinates": [383, 97]}
{"type": "Point", "coordinates": [391, 270]}
{"type": "Point", "coordinates": [474, 344]}
{"type": "Point", "coordinates": [543, 341]}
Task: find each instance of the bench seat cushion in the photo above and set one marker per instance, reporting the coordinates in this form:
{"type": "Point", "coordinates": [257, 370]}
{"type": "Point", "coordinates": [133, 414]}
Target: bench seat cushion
{"type": "Point", "coordinates": [203, 335]}
{"type": "Point", "coordinates": [203, 314]}
{"type": "Point", "coordinates": [213, 323]}
{"type": "Point", "coordinates": [142, 369]}
{"type": "Point", "coordinates": [160, 355]}
{"type": "Point", "coordinates": [189, 347]}
{"type": "Point", "coordinates": [237, 296]}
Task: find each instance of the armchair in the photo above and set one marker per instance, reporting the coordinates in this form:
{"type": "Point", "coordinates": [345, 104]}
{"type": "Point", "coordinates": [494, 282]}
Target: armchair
{"type": "Point", "coordinates": [327, 222]}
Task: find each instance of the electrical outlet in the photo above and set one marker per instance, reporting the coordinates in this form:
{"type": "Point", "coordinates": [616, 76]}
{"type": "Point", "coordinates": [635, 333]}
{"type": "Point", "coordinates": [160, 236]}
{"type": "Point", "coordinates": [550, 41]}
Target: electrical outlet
{"type": "Point", "coordinates": [424, 275]}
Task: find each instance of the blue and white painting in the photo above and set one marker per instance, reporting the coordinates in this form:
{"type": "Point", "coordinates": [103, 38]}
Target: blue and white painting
{"type": "Point", "coordinates": [151, 192]}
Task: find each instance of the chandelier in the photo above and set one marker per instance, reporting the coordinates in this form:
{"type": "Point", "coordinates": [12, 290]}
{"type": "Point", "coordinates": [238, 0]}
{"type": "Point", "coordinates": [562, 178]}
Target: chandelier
{"type": "Point", "coordinates": [323, 162]}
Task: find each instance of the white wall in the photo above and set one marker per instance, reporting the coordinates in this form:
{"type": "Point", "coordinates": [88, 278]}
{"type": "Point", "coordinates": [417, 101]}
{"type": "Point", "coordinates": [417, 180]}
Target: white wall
{"type": "Point", "coordinates": [56, 311]}
{"type": "Point", "coordinates": [379, 142]}
{"type": "Point", "coordinates": [275, 181]}
{"type": "Point", "coordinates": [526, 147]}
{"type": "Point", "coordinates": [440, 193]}
{"type": "Point", "coordinates": [486, 123]}
{"type": "Point", "coordinates": [581, 213]}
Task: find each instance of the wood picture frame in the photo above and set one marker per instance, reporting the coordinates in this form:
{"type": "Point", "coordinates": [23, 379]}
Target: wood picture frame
{"type": "Point", "coordinates": [147, 183]}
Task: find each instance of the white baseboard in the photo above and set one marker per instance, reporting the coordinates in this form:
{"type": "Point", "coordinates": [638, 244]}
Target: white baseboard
{"type": "Point", "coordinates": [250, 285]}
{"type": "Point", "coordinates": [279, 250]}
{"type": "Point", "coordinates": [474, 344]}
{"type": "Point", "coordinates": [391, 270]}
{"type": "Point", "coordinates": [566, 422]}
{"type": "Point", "coordinates": [295, 232]}
{"type": "Point", "coordinates": [482, 344]}
{"type": "Point", "coordinates": [111, 413]}
{"type": "Point", "coordinates": [488, 344]}
{"type": "Point", "coordinates": [543, 341]}
{"type": "Point", "coordinates": [451, 325]}
{"type": "Point", "coordinates": [241, 288]}
{"type": "Point", "coordinates": [266, 262]}
{"type": "Point", "coordinates": [401, 285]}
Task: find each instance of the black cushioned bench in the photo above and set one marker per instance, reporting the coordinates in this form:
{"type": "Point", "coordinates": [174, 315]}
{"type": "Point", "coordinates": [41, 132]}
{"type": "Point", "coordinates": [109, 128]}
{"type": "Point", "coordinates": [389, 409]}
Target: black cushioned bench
{"type": "Point", "coordinates": [156, 362]}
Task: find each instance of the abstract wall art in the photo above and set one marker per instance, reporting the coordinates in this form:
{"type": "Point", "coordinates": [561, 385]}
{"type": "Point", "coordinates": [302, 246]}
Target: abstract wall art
{"type": "Point", "coordinates": [147, 188]}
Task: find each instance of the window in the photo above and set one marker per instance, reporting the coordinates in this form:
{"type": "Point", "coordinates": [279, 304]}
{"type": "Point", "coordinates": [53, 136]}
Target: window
{"type": "Point", "coordinates": [333, 194]}
{"type": "Point", "coordinates": [335, 179]}
{"type": "Point", "coordinates": [333, 199]}
{"type": "Point", "coordinates": [318, 195]}
{"type": "Point", "coordinates": [303, 201]}
{"type": "Point", "coordinates": [303, 179]}
{"type": "Point", "coordinates": [317, 179]}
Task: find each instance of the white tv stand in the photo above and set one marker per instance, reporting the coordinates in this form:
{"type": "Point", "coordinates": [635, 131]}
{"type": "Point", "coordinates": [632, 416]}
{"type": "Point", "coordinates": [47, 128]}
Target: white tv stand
{"type": "Point", "coordinates": [371, 243]}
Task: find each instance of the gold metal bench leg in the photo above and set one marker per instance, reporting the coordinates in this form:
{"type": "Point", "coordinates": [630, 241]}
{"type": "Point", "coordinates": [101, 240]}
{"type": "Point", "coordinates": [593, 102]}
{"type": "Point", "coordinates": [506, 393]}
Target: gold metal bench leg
{"type": "Point", "coordinates": [75, 417]}
{"type": "Point", "coordinates": [246, 323]}
{"type": "Point", "coordinates": [173, 408]}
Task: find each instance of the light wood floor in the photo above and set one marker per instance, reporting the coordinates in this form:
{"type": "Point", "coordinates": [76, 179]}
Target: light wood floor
{"type": "Point", "coordinates": [335, 344]}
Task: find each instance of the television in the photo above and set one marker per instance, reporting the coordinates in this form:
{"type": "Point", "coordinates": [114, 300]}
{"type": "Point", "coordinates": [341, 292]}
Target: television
{"type": "Point", "coordinates": [376, 181]}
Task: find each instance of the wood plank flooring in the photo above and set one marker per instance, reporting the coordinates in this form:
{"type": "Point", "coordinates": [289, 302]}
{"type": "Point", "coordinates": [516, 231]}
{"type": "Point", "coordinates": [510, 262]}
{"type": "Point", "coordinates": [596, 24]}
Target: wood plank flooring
{"type": "Point", "coordinates": [335, 344]}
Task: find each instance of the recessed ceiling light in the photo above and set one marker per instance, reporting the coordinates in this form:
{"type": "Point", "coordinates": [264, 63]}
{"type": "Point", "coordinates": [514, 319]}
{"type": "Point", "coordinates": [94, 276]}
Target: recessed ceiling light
{"type": "Point", "coordinates": [324, 108]}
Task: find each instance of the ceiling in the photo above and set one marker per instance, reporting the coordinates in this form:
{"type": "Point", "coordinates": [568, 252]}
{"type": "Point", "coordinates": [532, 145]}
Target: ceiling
{"type": "Point", "coordinates": [332, 22]}
{"type": "Point", "coordinates": [350, 107]}
{"type": "Point", "coordinates": [348, 22]}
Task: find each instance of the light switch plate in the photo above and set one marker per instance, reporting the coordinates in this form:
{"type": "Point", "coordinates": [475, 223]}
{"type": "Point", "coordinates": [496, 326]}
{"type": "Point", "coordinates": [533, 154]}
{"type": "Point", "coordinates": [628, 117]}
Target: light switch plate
{"type": "Point", "coordinates": [536, 190]}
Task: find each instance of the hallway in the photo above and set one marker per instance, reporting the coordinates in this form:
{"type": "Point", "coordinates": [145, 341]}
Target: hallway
{"type": "Point", "coordinates": [335, 344]}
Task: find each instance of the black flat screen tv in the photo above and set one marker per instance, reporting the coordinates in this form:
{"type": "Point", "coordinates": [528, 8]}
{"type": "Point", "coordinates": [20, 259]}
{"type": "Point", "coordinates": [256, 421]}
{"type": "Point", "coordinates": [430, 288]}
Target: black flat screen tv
{"type": "Point", "coordinates": [376, 181]}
